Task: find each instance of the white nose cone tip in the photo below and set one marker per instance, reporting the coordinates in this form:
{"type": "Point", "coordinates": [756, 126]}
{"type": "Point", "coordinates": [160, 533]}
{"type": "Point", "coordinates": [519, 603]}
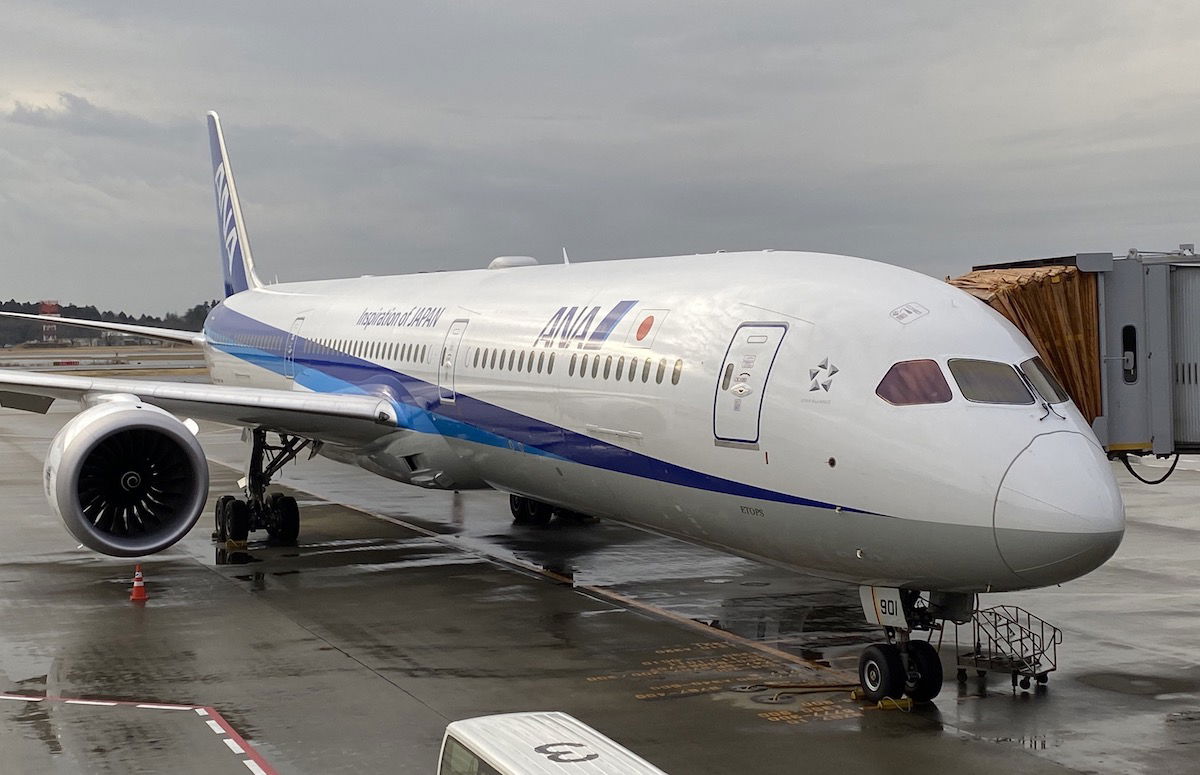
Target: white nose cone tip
{"type": "Point", "coordinates": [1059, 513]}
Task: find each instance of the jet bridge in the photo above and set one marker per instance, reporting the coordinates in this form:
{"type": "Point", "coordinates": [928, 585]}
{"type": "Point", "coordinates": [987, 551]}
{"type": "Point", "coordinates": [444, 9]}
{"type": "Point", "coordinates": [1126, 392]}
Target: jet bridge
{"type": "Point", "coordinates": [1121, 333]}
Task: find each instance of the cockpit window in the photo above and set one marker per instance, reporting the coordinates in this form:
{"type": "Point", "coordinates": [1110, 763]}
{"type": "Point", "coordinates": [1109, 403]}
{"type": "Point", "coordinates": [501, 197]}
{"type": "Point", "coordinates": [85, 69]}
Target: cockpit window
{"type": "Point", "coordinates": [909, 383]}
{"type": "Point", "coordinates": [1043, 381]}
{"type": "Point", "coordinates": [989, 382]}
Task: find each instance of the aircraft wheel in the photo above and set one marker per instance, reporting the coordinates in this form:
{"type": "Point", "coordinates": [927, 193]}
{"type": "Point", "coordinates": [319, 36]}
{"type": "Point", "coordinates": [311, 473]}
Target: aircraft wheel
{"type": "Point", "coordinates": [520, 512]}
{"type": "Point", "coordinates": [539, 513]}
{"type": "Point", "coordinates": [286, 520]}
{"type": "Point", "coordinates": [237, 521]}
{"type": "Point", "coordinates": [881, 672]}
{"type": "Point", "coordinates": [219, 511]}
{"type": "Point", "coordinates": [924, 679]}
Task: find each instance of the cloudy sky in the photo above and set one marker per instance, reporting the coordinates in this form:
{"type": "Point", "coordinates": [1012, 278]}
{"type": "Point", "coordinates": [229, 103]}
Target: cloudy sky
{"type": "Point", "coordinates": [389, 137]}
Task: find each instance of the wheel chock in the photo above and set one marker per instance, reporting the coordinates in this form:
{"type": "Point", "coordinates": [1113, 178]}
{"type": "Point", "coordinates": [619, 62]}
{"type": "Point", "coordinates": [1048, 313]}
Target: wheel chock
{"type": "Point", "coordinates": [887, 703]}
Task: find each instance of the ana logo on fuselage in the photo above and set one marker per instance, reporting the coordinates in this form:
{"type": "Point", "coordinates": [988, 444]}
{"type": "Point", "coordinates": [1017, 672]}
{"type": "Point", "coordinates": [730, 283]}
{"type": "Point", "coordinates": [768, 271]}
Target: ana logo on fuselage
{"type": "Point", "coordinates": [575, 325]}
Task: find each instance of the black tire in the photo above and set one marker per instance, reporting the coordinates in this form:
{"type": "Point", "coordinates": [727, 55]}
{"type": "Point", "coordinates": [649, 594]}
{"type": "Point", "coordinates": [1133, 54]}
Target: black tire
{"type": "Point", "coordinates": [270, 513]}
{"type": "Point", "coordinates": [539, 514]}
{"type": "Point", "coordinates": [219, 511]}
{"type": "Point", "coordinates": [237, 521]}
{"type": "Point", "coordinates": [924, 680]}
{"type": "Point", "coordinates": [520, 513]}
{"type": "Point", "coordinates": [286, 518]}
{"type": "Point", "coordinates": [880, 672]}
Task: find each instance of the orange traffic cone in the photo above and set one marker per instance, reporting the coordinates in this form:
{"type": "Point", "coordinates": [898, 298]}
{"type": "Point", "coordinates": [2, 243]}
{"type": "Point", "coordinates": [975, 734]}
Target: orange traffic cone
{"type": "Point", "coordinates": [138, 593]}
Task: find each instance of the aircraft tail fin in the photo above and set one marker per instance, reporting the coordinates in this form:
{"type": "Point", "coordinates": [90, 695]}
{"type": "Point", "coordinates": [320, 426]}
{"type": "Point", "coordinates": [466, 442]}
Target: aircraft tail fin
{"type": "Point", "coordinates": [237, 263]}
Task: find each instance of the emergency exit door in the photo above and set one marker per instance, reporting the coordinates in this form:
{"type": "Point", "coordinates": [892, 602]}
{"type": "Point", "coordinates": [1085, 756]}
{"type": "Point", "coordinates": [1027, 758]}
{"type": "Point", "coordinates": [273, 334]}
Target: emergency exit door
{"type": "Point", "coordinates": [449, 361]}
{"type": "Point", "coordinates": [289, 349]}
{"type": "Point", "coordinates": [742, 382]}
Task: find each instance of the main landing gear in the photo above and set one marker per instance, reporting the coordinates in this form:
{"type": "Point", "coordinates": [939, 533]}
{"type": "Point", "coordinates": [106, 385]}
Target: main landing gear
{"type": "Point", "coordinates": [276, 513]}
{"type": "Point", "coordinates": [906, 666]}
{"type": "Point", "coordinates": [527, 511]}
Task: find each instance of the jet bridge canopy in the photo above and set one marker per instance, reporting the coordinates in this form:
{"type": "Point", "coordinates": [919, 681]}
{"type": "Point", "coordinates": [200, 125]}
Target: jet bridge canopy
{"type": "Point", "coordinates": [1121, 334]}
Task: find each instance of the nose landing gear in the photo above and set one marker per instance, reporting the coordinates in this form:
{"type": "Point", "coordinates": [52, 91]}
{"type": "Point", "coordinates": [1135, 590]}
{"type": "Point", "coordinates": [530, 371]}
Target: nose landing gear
{"type": "Point", "coordinates": [910, 669]}
{"type": "Point", "coordinates": [905, 666]}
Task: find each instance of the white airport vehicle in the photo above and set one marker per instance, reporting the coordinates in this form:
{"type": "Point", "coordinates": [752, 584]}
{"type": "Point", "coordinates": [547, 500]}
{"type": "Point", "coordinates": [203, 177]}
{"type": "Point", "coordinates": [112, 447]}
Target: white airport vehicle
{"type": "Point", "coordinates": [831, 415]}
{"type": "Point", "coordinates": [536, 743]}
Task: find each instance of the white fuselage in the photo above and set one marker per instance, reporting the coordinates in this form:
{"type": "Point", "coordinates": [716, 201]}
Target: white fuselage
{"type": "Point", "coordinates": [755, 428]}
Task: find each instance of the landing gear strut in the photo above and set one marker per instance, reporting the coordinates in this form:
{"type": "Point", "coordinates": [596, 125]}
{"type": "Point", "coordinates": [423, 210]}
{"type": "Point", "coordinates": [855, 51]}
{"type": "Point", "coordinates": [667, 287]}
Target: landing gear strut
{"type": "Point", "coordinates": [904, 666]}
{"type": "Point", "coordinates": [278, 514]}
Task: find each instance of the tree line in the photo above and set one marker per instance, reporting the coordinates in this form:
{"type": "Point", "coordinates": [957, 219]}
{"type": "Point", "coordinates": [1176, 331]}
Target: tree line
{"type": "Point", "coordinates": [15, 331]}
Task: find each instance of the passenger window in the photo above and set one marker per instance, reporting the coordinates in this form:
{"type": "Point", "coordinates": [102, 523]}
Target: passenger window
{"type": "Point", "coordinates": [583, 366]}
{"type": "Point", "coordinates": [550, 365]}
{"type": "Point", "coordinates": [677, 373]}
{"type": "Point", "coordinates": [1129, 355]}
{"type": "Point", "coordinates": [571, 366]}
{"type": "Point", "coordinates": [595, 366]}
{"type": "Point", "coordinates": [1043, 381]}
{"type": "Point", "coordinates": [422, 352]}
{"type": "Point", "coordinates": [909, 383]}
{"type": "Point", "coordinates": [646, 370]}
{"type": "Point", "coordinates": [989, 382]}
{"type": "Point", "coordinates": [607, 366]}
{"type": "Point", "coordinates": [541, 360]}
{"type": "Point", "coordinates": [662, 370]}
{"type": "Point", "coordinates": [475, 365]}
{"type": "Point", "coordinates": [529, 364]}
{"type": "Point", "coordinates": [521, 362]}
{"type": "Point", "coordinates": [632, 369]}
{"type": "Point", "coordinates": [620, 368]}
{"type": "Point", "coordinates": [492, 365]}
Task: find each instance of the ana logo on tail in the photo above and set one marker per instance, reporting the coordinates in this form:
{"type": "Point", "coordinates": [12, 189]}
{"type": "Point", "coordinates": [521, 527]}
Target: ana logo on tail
{"type": "Point", "coordinates": [236, 262]}
{"type": "Point", "coordinates": [233, 253]}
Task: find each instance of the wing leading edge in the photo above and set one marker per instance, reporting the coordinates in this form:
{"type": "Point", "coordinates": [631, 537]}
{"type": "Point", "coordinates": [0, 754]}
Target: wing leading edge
{"type": "Point", "coordinates": [325, 416]}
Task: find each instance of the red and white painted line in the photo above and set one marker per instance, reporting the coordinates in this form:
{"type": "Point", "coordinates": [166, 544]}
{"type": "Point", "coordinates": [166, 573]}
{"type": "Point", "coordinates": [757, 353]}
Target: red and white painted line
{"type": "Point", "coordinates": [235, 743]}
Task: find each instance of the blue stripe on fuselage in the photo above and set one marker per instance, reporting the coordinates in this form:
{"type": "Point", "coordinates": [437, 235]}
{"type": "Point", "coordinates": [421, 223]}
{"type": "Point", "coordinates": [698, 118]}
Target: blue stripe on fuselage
{"type": "Point", "coordinates": [419, 409]}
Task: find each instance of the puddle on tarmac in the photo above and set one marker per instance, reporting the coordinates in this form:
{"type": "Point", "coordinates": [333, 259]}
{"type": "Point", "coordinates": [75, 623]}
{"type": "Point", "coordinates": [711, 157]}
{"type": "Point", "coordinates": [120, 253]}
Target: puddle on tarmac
{"type": "Point", "coordinates": [1139, 685]}
{"type": "Point", "coordinates": [225, 556]}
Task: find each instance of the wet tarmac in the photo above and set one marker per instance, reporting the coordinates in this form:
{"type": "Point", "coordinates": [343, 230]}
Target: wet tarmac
{"type": "Point", "coordinates": [401, 610]}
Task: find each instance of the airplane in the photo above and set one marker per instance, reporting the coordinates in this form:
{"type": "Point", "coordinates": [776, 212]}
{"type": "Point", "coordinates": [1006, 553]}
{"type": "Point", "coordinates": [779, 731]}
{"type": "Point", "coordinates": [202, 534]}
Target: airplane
{"type": "Point", "coordinates": [827, 414]}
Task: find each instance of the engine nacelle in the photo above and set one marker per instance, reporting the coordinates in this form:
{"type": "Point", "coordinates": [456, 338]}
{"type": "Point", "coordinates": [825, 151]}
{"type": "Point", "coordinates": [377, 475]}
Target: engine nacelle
{"type": "Point", "coordinates": [127, 478]}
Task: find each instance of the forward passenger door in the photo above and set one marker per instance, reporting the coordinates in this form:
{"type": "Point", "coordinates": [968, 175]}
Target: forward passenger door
{"type": "Point", "coordinates": [742, 382]}
{"type": "Point", "coordinates": [449, 361]}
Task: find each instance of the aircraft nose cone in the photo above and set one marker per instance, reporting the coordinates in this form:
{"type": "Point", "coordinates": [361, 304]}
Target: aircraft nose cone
{"type": "Point", "coordinates": [1058, 511]}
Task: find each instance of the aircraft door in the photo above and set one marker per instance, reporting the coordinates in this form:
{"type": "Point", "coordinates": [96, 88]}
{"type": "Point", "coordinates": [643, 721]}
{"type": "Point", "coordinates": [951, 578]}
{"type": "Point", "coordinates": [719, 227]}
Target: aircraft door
{"type": "Point", "coordinates": [742, 382]}
{"type": "Point", "coordinates": [289, 349]}
{"type": "Point", "coordinates": [449, 361]}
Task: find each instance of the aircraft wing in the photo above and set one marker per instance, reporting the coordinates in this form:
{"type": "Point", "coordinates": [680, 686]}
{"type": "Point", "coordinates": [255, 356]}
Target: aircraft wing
{"type": "Point", "coordinates": [323, 416]}
{"type": "Point", "coordinates": [150, 332]}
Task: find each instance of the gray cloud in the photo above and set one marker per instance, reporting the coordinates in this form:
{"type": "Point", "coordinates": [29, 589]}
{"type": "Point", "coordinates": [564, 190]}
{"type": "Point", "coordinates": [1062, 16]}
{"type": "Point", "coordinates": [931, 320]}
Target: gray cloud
{"type": "Point", "coordinates": [382, 137]}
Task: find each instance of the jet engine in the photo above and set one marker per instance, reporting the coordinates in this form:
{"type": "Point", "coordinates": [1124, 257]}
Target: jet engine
{"type": "Point", "coordinates": [127, 478]}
